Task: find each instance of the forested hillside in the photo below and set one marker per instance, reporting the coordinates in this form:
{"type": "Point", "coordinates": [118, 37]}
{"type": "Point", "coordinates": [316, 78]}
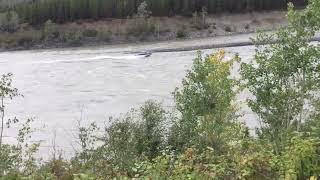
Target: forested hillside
{"type": "Point", "coordinates": [69, 10]}
{"type": "Point", "coordinates": [10, 3]}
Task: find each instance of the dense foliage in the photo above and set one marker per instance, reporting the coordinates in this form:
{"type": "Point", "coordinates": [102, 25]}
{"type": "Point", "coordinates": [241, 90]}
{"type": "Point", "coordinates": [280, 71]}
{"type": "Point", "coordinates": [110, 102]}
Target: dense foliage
{"type": "Point", "coordinates": [202, 138]}
{"type": "Point", "coordinates": [69, 10]}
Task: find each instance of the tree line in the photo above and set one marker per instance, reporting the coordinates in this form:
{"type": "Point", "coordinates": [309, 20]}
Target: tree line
{"type": "Point", "coordinates": [68, 10]}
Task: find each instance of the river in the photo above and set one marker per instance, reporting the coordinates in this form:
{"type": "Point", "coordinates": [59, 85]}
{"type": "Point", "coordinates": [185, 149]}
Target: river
{"type": "Point", "coordinates": [62, 86]}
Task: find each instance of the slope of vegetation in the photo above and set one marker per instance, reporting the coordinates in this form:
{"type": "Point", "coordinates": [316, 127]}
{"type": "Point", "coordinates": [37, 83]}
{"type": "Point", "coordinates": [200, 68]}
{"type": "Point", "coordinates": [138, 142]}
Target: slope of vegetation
{"type": "Point", "coordinates": [70, 10]}
{"type": "Point", "coordinates": [141, 27]}
{"type": "Point", "coordinates": [202, 138]}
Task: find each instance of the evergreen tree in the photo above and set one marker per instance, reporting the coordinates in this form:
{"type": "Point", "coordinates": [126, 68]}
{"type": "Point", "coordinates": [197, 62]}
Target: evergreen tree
{"type": "Point", "coordinates": [69, 10]}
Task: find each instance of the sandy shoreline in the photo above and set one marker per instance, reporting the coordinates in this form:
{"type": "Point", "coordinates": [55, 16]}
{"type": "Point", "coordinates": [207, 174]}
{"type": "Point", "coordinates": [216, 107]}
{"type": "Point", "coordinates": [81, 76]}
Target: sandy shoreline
{"type": "Point", "coordinates": [232, 40]}
{"type": "Point", "coordinates": [245, 40]}
{"type": "Point", "coordinates": [166, 30]}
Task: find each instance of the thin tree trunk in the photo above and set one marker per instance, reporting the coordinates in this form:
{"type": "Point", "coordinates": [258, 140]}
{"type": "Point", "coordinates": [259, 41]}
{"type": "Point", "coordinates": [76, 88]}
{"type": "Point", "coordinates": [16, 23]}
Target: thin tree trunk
{"type": "Point", "coordinates": [302, 99]}
{"type": "Point", "coordinates": [2, 123]}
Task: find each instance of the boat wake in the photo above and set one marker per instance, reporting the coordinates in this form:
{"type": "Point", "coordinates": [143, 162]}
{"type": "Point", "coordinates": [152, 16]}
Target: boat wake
{"type": "Point", "coordinates": [137, 55]}
{"type": "Point", "coordinates": [122, 57]}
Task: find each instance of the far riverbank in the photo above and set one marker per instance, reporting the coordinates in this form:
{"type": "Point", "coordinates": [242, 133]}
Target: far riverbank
{"type": "Point", "coordinates": [88, 33]}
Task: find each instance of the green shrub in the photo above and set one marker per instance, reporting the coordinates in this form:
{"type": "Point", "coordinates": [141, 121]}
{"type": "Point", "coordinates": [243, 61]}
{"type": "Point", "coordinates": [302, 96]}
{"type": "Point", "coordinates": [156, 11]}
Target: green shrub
{"type": "Point", "coordinates": [300, 159]}
{"type": "Point", "coordinates": [227, 28]}
{"type": "Point", "coordinates": [90, 33]}
{"type": "Point", "coordinates": [143, 11]}
{"type": "Point", "coordinates": [139, 134]}
{"type": "Point", "coordinates": [25, 41]}
{"type": "Point", "coordinates": [140, 27]}
{"type": "Point", "coordinates": [204, 108]}
{"type": "Point", "coordinates": [150, 132]}
{"type": "Point", "coordinates": [280, 90]}
{"type": "Point", "coordinates": [247, 26]}
{"type": "Point", "coordinates": [9, 21]}
{"type": "Point", "coordinates": [105, 35]}
{"type": "Point", "coordinates": [199, 20]}
{"type": "Point", "coordinates": [141, 24]}
{"type": "Point", "coordinates": [18, 157]}
{"type": "Point", "coordinates": [49, 31]}
{"type": "Point", "coordinates": [120, 144]}
{"type": "Point", "coordinates": [24, 38]}
{"type": "Point", "coordinates": [72, 38]}
{"type": "Point", "coordinates": [181, 33]}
